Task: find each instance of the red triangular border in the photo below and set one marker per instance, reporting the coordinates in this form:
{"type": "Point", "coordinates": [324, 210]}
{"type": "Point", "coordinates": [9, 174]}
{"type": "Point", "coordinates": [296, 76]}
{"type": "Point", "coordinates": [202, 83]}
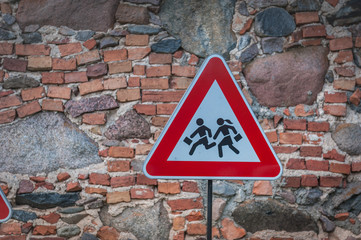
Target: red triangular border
{"type": "Point", "coordinates": [156, 164]}
{"type": "Point", "coordinates": [5, 208]}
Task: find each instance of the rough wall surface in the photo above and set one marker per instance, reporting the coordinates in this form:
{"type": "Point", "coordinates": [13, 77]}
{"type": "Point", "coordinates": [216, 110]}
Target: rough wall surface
{"type": "Point", "coordinates": [87, 86]}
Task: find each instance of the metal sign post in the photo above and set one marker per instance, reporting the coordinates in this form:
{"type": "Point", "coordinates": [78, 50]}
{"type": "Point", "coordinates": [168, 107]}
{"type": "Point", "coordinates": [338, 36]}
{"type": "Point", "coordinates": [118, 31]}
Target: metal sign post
{"type": "Point", "coordinates": [209, 209]}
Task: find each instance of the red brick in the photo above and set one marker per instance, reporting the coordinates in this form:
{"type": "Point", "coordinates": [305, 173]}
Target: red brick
{"type": "Point", "coordinates": [103, 153]}
{"type": "Point", "coordinates": [138, 53]}
{"type": "Point", "coordinates": [88, 57]}
{"type": "Point", "coordinates": [337, 97]}
{"type": "Point", "coordinates": [38, 179]}
{"type": "Point", "coordinates": [51, 217]}
{"type": "Point", "coordinates": [164, 96]}
{"type": "Point", "coordinates": [120, 67]}
{"type": "Point", "coordinates": [13, 64]}
{"type": "Point", "coordinates": [318, 126]}
{"type": "Point", "coordinates": [115, 83]}
{"type": "Point", "coordinates": [73, 187]}
{"type": "Point", "coordinates": [230, 231]}
{"type": "Point", "coordinates": [45, 185]}
{"type": "Point", "coordinates": [235, 66]}
{"type": "Point", "coordinates": [95, 118]}
{"type": "Point", "coordinates": [294, 182]}
{"type": "Point", "coordinates": [52, 105]}
{"type": "Point", "coordinates": [59, 92]}
{"type": "Point", "coordinates": [90, 44]}
{"type": "Point", "coordinates": [143, 180]}
{"type": "Point", "coordinates": [348, 71]}
{"type": "Point", "coordinates": [123, 181]}
{"type": "Point", "coordinates": [139, 70]}
{"type": "Point", "coordinates": [44, 230]}
{"type": "Point", "coordinates": [28, 109]}
{"type": "Point", "coordinates": [247, 25]}
{"type": "Point", "coordinates": [134, 81]}
{"type": "Point", "coordinates": [356, 166]}
{"type": "Point", "coordinates": [92, 190]}
{"type": "Point", "coordinates": [158, 71]}
{"type": "Point", "coordinates": [165, 108]}
{"type": "Point", "coordinates": [9, 101]}
{"type": "Point", "coordinates": [83, 176]}
{"type": "Point", "coordinates": [358, 42]}
{"type": "Point", "coordinates": [121, 152]}
{"type": "Point", "coordinates": [32, 93]}
{"type": "Point", "coordinates": [70, 48]}
{"type": "Point", "coordinates": [340, 43]}
{"type": "Point", "coordinates": [52, 77]}
{"type": "Point", "coordinates": [42, 63]}
{"type": "Point", "coordinates": [358, 81]}
{"type": "Point", "coordinates": [291, 138]}
{"type": "Point", "coordinates": [169, 187]}
{"type": "Point", "coordinates": [31, 49]}
{"type": "Point", "coordinates": [314, 31]}
{"type": "Point", "coordinates": [7, 116]}
{"type": "Point", "coordinates": [154, 83]}
{"type": "Point", "coordinates": [185, 204]}
{"type": "Point", "coordinates": [262, 188]}
{"type": "Point", "coordinates": [160, 58]}
{"type": "Point", "coordinates": [315, 165]}
{"type": "Point", "coordinates": [309, 181]}
{"type": "Point", "coordinates": [342, 216]}
{"type": "Point", "coordinates": [90, 87]}
{"type": "Point", "coordinates": [294, 124]}
{"type": "Point", "coordinates": [127, 95]}
{"type": "Point", "coordinates": [178, 223]}
{"type": "Point", "coordinates": [63, 176]}
{"type": "Point", "coordinates": [285, 149]}
{"type": "Point", "coordinates": [117, 197]}
{"type": "Point", "coordinates": [343, 168]}
{"type": "Point", "coordinates": [136, 40]}
{"type": "Point", "coordinates": [344, 56]}
{"type": "Point", "coordinates": [356, 97]}
{"type": "Point", "coordinates": [312, 42]}
{"type": "Point", "coordinates": [310, 151]}
{"type": "Point", "coordinates": [6, 8]}
{"type": "Point", "coordinates": [6, 93]}
{"type": "Point", "coordinates": [334, 155]}
{"type": "Point", "coordinates": [143, 149]}
{"type": "Point", "coordinates": [99, 179]}
{"type": "Point", "coordinates": [159, 121]}
{"type": "Point", "coordinates": [141, 193]}
{"type": "Point", "coordinates": [333, 3]}
{"type": "Point", "coordinates": [196, 229]}
{"type": "Point", "coordinates": [330, 181]}
{"type": "Point", "coordinates": [178, 54]}
{"type": "Point", "coordinates": [189, 186]}
{"type": "Point", "coordinates": [272, 136]}
{"type": "Point", "coordinates": [115, 55]}
{"type": "Point", "coordinates": [145, 109]}
{"type": "Point", "coordinates": [10, 228]}
{"type": "Point", "coordinates": [6, 48]}
{"type": "Point", "coordinates": [64, 64]}
{"type": "Point", "coordinates": [183, 71]}
{"type": "Point", "coordinates": [306, 17]}
{"type": "Point", "coordinates": [296, 163]}
{"type": "Point", "coordinates": [194, 216]}
{"type": "Point", "coordinates": [76, 77]}
{"type": "Point", "coordinates": [180, 82]}
{"type": "Point", "coordinates": [344, 84]}
{"type": "Point", "coordinates": [335, 110]}
{"type": "Point", "coordinates": [118, 166]}
{"type": "Point", "coordinates": [107, 233]}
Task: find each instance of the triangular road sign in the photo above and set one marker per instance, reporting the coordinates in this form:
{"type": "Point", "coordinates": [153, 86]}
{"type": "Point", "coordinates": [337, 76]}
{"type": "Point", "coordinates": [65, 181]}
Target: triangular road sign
{"type": "Point", "coordinates": [213, 133]}
{"type": "Point", "coordinates": [5, 208]}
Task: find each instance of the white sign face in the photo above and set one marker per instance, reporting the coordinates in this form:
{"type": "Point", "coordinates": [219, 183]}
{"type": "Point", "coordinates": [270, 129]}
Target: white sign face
{"type": "Point", "coordinates": [214, 134]}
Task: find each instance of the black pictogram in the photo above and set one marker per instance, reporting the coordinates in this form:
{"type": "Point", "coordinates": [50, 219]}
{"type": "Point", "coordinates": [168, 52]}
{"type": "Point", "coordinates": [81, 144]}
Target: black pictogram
{"type": "Point", "coordinates": [227, 140]}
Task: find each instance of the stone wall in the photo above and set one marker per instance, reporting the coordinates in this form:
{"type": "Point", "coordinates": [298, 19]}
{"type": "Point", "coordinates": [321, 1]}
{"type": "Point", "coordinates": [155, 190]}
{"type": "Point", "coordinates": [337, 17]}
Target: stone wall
{"type": "Point", "coordinates": [86, 87]}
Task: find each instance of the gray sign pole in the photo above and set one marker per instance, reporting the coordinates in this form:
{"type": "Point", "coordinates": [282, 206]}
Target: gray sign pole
{"type": "Point", "coordinates": [209, 210]}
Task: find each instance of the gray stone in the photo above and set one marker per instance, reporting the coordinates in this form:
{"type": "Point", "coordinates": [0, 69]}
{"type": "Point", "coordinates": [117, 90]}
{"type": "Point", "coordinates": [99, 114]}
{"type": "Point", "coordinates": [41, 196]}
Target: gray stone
{"type": "Point", "coordinates": [31, 28]}
{"type": "Point", "coordinates": [272, 44]}
{"type": "Point", "coordinates": [34, 37]}
{"type": "Point", "coordinates": [348, 138]}
{"type": "Point", "coordinates": [71, 210]}
{"type": "Point", "coordinates": [327, 224]}
{"type": "Point", "coordinates": [349, 13]}
{"type": "Point", "coordinates": [85, 105]}
{"type": "Point", "coordinates": [223, 189]}
{"type": "Point", "coordinates": [118, 32]}
{"type": "Point", "coordinates": [357, 56]}
{"type": "Point", "coordinates": [130, 125]}
{"type": "Point", "coordinates": [256, 216]}
{"type": "Point", "coordinates": [308, 196]}
{"type": "Point", "coordinates": [97, 70]}
{"type": "Point", "coordinates": [21, 81]}
{"type": "Point", "coordinates": [25, 186]}
{"type": "Point", "coordinates": [242, 9]}
{"type": "Point", "coordinates": [6, 35]}
{"type": "Point", "coordinates": [304, 5]}
{"type": "Point", "coordinates": [74, 219]}
{"type": "Point", "coordinates": [47, 200]}
{"type": "Point", "coordinates": [85, 201]}
{"type": "Point", "coordinates": [97, 204]}
{"type": "Point", "coordinates": [108, 42]}
{"type": "Point", "coordinates": [274, 22]}
{"type": "Point", "coordinates": [266, 3]}
{"type": "Point", "coordinates": [132, 14]}
{"type": "Point", "coordinates": [137, 165]}
{"type": "Point", "coordinates": [142, 222]}
{"type": "Point", "coordinates": [45, 142]}
{"type": "Point", "coordinates": [329, 76]}
{"type": "Point", "coordinates": [155, 19]}
{"type": "Point", "coordinates": [244, 41]}
{"type": "Point", "coordinates": [202, 29]}
{"type": "Point", "coordinates": [88, 236]}
{"type": "Point", "coordinates": [84, 35]}
{"type": "Point", "coordinates": [66, 31]}
{"type": "Point", "coordinates": [23, 216]}
{"type": "Point", "coordinates": [154, 2]}
{"type": "Point", "coordinates": [249, 54]}
{"type": "Point", "coordinates": [288, 196]}
{"type": "Point", "coordinates": [68, 231]}
{"type": "Point", "coordinates": [166, 46]}
{"type": "Point", "coordinates": [275, 85]}
{"type": "Point", "coordinates": [143, 29]}
{"type": "Point", "coordinates": [111, 143]}
{"type": "Point", "coordinates": [9, 19]}
{"type": "Point", "coordinates": [79, 15]}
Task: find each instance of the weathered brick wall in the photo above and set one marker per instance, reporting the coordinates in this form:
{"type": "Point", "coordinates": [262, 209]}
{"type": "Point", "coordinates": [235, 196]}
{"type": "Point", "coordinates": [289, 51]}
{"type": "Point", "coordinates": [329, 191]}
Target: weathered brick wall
{"type": "Point", "coordinates": [113, 88]}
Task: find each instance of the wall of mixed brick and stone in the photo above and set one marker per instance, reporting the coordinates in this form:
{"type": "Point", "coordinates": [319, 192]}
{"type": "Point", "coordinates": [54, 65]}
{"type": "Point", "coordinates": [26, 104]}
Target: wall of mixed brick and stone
{"type": "Point", "coordinates": [87, 86]}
